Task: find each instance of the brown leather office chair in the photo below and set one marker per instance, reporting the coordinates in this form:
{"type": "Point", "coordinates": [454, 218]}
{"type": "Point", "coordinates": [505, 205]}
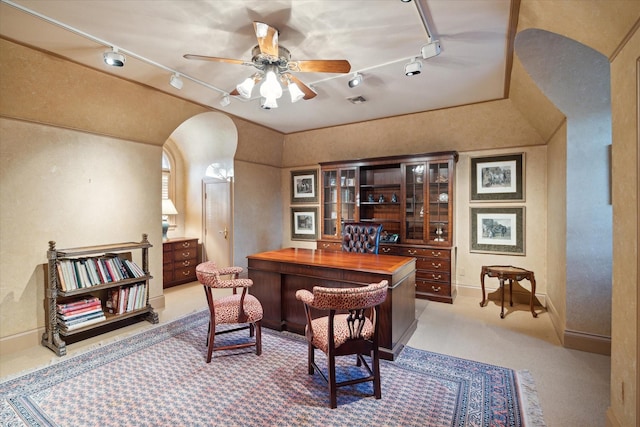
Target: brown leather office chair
{"type": "Point", "coordinates": [239, 308]}
{"type": "Point", "coordinates": [361, 237]}
{"type": "Point", "coordinates": [350, 328]}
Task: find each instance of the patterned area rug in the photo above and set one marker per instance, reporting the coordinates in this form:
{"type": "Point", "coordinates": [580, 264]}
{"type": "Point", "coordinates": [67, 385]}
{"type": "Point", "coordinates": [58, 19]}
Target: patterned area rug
{"type": "Point", "coordinates": [159, 378]}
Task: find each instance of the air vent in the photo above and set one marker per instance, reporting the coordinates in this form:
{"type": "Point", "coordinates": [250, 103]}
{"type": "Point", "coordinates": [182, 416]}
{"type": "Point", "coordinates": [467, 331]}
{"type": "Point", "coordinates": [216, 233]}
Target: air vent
{"type": "Point", "coordinates": [357, 100]}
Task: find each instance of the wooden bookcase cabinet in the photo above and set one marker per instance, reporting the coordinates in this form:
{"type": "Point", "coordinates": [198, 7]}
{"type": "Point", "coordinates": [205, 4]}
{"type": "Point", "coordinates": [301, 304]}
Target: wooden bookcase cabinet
{"type": "Point", "coordinates": [411, 196]}
{"type": "Point", "coordinates": [53, 335]}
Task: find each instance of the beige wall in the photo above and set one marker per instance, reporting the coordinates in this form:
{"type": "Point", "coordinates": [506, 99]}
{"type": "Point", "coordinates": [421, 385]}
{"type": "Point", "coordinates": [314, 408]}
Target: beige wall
{"type": "Point", "coordinates": [625, 87]}
{"type": "Point", "coordinates": [556, 255]}
{"type": "Point", "coordinates": [47, 194]}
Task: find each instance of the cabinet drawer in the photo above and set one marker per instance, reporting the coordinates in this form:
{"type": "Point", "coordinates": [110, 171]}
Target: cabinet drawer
{"type": "Point", "coordinates": [433, 276]}
{"type": "Point", "coordinates": [433, 288]}
{"type": "Point", "coordinates": [434, 264]}
{"type": "Point", "coordinates": [329, 246]}
{"type": "Point", "coordinates": [167, 275]}
{"type": "Point", "coordinates": [185, 263]}
{"type": "Point", "coordinates": [388, 250]}
{"type": "Point", "coordinates": [185, 273]}
{"type": "Point", "coordinates": [426, 252]}
{"type": "Point", "coordinates": [185, 244]}
{"type": "Point", "coordinates": [180, 255]}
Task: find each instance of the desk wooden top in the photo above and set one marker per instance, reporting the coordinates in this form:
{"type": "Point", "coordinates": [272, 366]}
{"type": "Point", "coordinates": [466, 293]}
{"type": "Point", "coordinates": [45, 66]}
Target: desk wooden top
{"type": "Point", "coordinates": [383, 264]}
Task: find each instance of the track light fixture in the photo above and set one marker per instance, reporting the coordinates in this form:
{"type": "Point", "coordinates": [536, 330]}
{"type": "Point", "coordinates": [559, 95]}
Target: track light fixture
{"type": "Point", "coordinates": [114, 58]}
{"type": "Point", "coordinates": [176, 81]}
{"type": "Point", "coordinates": [356, 80]}
{"type": "Point", "coordinates": [413, 67]}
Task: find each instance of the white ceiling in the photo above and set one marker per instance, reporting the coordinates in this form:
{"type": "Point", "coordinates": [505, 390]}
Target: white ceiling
{"type": "Point", "coordinates": [378, 37]}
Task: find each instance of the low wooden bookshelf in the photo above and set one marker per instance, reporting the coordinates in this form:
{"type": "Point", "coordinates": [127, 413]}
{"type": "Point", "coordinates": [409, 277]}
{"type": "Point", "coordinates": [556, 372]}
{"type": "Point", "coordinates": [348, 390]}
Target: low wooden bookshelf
{"type": "Point", "coordinates": [59, 291]}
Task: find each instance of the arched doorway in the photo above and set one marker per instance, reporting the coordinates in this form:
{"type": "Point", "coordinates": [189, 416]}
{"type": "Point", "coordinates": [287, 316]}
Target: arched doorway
{"type": "Point", "coordinates": [202, 141]}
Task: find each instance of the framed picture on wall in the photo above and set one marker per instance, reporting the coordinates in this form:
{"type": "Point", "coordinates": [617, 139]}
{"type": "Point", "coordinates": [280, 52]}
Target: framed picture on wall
{"type": "Point", "coordinates": [498, 230]}
{"type": "Point", "coordinates": [304, 186]}
{"type": "Point", "coordinates": [304, 223]}
{"type": "Point", "coordinates": [497, 178]}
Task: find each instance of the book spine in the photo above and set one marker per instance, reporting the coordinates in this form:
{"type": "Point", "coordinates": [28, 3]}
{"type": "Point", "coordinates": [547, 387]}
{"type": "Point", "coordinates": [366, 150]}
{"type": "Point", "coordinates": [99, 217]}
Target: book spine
{"type": "Point", "coordinates": [77, 303]}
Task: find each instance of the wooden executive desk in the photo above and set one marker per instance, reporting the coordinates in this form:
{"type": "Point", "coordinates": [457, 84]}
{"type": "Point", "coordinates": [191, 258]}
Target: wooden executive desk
{"type": "Point", "coordinates": [277, 275]}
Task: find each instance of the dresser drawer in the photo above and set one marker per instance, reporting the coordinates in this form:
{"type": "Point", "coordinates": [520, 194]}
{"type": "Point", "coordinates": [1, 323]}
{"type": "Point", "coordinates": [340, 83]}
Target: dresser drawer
{"type": "Point", "coordinates": [185, 244]}
{"type": "Point", "coordinates": [329, 246]}
{"type": "Point", "coordinates": [185, 273]}
{"type": "Point", "coordinates": [388, 250]}
{"type": "Point", "coordinates": [442, 289]}
{"type": "Point", "coordinates": [182, 254]}
{"type": "Point", "coordinates": [434, 264]}
{"type": "Point", "coordinates": [434, 276]}
{"type": "Point", "coordinates": [426, 253]}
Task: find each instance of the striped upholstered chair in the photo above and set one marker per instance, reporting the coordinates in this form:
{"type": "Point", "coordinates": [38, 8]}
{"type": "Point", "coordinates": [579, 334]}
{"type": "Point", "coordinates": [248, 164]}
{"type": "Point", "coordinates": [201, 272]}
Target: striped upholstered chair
{"type": "Point", "coordinates": [351, 327]}
{"type": "Point", "coordinates": [361, 237]}
{"type": "Point", "coordinates": [238, 308]}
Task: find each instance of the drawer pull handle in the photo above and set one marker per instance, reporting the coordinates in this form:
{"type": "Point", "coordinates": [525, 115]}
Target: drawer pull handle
{"type": "Point", "coordinates": [186, 263]}
{"type": "Point", "coordinates": [325, 245]}
{"type": "Point", "coordinates": [436, 253]}
{"type": "Point", "coordinates": [186, 273]}
{"type": "Point", "coordinates": [386, 250]}
{"type": "Point", "coordinates": [186, 254]}
{"type": "Point", "coordinates": [434, 265]}
{"type": "Point", "coordinates": [186, 244]}
{"type": "Point", "coordinates": [438, 277]}
{"type": "Point", "coordinates": [434, 289]}
{"type": "Point", "coordinates": [412, 252]}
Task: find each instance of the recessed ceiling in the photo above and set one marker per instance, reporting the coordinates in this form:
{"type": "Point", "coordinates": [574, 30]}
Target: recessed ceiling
{"type": "Point", "coordinates": [377, 37]}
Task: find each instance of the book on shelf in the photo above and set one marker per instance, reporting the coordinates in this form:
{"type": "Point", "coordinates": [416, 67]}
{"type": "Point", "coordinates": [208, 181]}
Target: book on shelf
{"type": "Point", "coordinates": [80, 312]}
{"type": "Point", "coordinates": [83, 273]}
{"type": "Point", "coordinates": [79, 316]}
{"type": "Point", "coordinates": [77, 303]}
{"type": "Point", "coordinates": [126, 298]}
{"type": "Point", "coordinates": [81, 324]}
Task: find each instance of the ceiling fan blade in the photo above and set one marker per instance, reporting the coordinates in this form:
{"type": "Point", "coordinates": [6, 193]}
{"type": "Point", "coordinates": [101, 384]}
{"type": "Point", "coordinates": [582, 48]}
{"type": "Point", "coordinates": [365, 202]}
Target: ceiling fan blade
{"type": "Point", "coordinates": [321, 66]}
{"type": "Point", "coordinates": [267, 38]}
{"type": "Point", "coordinates": [308, 93]}
{"type": "Point", "coordinates": [214, 58]}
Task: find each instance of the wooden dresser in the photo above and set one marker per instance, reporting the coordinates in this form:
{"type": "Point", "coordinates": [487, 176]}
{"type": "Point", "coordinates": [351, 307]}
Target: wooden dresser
{"type": "Point", "coordinates": [179, 261]}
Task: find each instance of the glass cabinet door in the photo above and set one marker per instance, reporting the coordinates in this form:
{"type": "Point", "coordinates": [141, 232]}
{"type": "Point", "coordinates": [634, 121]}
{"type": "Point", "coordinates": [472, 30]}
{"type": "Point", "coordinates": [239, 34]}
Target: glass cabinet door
{"type": "Point", "coordinates": [330, 203]}
{"type": "Point", "coordinates": [440, 206]}
{"type": "Point", "coordinates": [414, 198]}
{"type": "Point", "coordinates": [348, 195]}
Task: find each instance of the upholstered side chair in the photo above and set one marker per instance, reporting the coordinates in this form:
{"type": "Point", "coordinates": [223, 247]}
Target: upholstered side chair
{"type": "Point", "coordinates": [239, 308]}
{"type": "Point", "coordinates": [351, 327]}
{"type": "Point", "coordinates": [361, 237]}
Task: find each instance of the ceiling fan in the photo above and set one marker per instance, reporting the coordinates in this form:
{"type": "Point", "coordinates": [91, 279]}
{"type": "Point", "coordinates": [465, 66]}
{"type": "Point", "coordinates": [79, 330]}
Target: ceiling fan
{"type": "Point", "coordinates": [274, 65]}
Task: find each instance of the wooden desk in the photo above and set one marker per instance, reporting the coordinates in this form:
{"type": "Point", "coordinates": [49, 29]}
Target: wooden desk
{"type": "Point", "coordinates": [277, 275]}
{"type": "Point", "coordinates": [507, 272]}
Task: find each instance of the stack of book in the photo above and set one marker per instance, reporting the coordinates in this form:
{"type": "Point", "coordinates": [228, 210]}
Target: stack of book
{"type": "Point", "coordinates": [79, 313]}
{"type": "Point", "coordinates": [127, 298]}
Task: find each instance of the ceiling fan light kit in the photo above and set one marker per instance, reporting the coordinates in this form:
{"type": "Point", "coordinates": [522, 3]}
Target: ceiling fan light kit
{"type": "Point", "coordinates": [414, 67]}
{"type": "Point", "coordinates": [114, 58]}
{"type": "Point", "coordinates": [274, 65]}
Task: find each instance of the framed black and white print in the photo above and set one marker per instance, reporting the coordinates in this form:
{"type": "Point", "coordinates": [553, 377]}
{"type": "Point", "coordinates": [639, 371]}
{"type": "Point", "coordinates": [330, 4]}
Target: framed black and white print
{"type": "Point", "coordinates": [497, 178]}
{"type": "Point", "coordinates": [304, 186]}
{"type": "Point", "coordinates": [303, 223]}
{"type": "Point", "coordinates": [498, 230]}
